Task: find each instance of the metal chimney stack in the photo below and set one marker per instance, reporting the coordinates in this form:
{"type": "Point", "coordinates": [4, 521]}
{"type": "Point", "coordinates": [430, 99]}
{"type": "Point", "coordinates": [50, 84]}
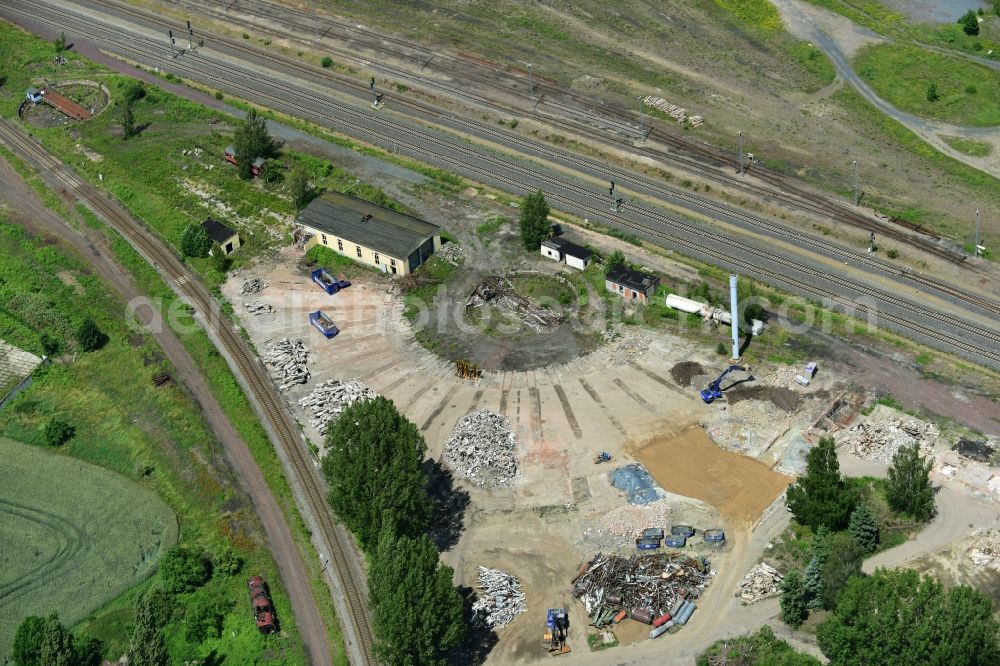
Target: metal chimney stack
{"type": "Point", "coordinates": [734, 312]}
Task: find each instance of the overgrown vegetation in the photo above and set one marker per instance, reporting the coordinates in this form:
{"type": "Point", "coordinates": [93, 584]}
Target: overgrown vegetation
{"type": "Point", "coordinates": [760, 649]}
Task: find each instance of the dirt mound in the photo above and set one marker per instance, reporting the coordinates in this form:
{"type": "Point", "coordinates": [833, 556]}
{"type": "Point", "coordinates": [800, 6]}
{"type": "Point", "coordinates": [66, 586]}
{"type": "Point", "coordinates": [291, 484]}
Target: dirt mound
{"type": "Point", "coordinates": [781, 397]}
{"type": "Point", "coordinates": [685, 371]}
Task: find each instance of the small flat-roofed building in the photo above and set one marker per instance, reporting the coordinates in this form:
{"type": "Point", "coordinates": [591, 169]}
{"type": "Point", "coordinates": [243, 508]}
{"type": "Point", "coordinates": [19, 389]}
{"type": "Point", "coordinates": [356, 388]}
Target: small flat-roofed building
{"type": "Point", "coordinates": [571, 253]}
{"type": "Point", "coordinates": [227, 238]}
{"type": "Point", "coordinates": [370, 234]}
{"type": "Point", "coordinates": [631, 285]}
{"type": "Point", "coordinates": [34, 95]}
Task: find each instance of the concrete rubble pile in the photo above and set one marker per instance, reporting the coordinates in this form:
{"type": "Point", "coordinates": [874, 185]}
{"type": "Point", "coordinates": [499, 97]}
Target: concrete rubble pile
{"type": "Point", "coordinates": [761, 582]}
{"type": "Point", "coordinates": [329, 399]}
{"type": "Point", "coordinates": [481, 449]}
{"type": "Point", "coordinates": [985, 548]}
{"type": "Point", "coordinates": [640, 584]}
{"type": "Point", "coordinates": [253, 285]}
{"type": "Point", "coordinates": [618, 527]}
{"type": "Point", "coordinates": [288, 358]}
{"type": "Point", "coordinates": [878, 441]}
{"type": "Point", "coordinates": [500, 601]}
{"type": "Point", "coordinates": [258, 307]}
{"type": "Point", "coordinates": [627, 345]}
{"type": "Point", "coordinates": [452, 253]}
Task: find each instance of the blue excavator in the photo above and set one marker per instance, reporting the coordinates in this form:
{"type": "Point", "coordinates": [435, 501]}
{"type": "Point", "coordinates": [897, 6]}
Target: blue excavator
{"type": "Point", "coordinates": [714, 389]}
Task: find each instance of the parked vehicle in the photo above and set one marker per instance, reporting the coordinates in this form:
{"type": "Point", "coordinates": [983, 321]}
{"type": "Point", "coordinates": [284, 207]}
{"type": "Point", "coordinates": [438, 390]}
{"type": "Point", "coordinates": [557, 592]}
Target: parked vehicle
{"type": "Point", "coordinates": [260, 602]}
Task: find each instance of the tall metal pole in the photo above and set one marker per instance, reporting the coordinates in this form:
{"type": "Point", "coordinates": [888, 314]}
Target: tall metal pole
{"type": "Point", "coordinates": [642, 120]}
{"type": "Point", "coordinates": [734, 311]}
{"type": "Point", "coordinates": [741, 152]}
{"type": "Point", "coordinates": [857, 197]}
{"type": "Point", "coordinates": [531, 87]}
{"type": "Point", "coordinates": [975, 248]}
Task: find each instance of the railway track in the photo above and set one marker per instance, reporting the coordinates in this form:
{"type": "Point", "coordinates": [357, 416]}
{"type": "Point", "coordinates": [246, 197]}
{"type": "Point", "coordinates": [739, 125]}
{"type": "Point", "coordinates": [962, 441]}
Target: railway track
{"type": "Point", "coordinates": [619, 126]}
{"type": "Point", "coordinates": [524, 145]}
{"type": "Point", "coordinates": [253, 373]}
{"type": "Point", "coordinates": [516, 177]}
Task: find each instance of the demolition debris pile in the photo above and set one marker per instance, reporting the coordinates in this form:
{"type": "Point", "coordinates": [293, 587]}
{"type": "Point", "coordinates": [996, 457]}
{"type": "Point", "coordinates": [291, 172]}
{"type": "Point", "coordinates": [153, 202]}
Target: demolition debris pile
{"type": "Point", "coordinates": [498, 292]}
{"type": "Point", "coordinates": [329, 399]}
{"type": "Point", "coordinates": [645, 586]}
{"type": "Point", "coordinates": [258, 307]}
{"type": "Point", "coordinates": [985, 548]}
{"type": "Point", "coordinates": [500, 601]}
{"type": "Point", "coordinates": [627, 345]}
{"type": "Point", "coordinates": [481, 449]}
{"type": "Point", "coordinates": [761, 582]}
{"type": "Point", "coordinates": [452, 253]}
{"type": "Point", "coordinates": [288, 358]}
{"type": "Point", "coordinates": [254, 285]}
{"type": "Point", "coordinates": [878, 441]}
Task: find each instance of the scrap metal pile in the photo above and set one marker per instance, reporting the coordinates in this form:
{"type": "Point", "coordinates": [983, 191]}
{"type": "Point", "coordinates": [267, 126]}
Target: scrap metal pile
{"type": "Point", "coordinates": [254, 285]}
{"type": "Point", "coordinates": [481, 449]}
{"type": "Point", "coordinates": [288, 358]}
{"type": "Point", "coordinates": [878, 440]}
{"type": "Point", "coordinates": [500, 600]}
{"type": "Point", "coordinates": [258, 307]}
{"type": "Point", "coordinates": [498, 292]}
{"type": "Point", "coordinates": [329, 399]}
{"type": "Point", "coordinates": [761, 582]}
{"type": "Point", "coordinates": [645, 586]}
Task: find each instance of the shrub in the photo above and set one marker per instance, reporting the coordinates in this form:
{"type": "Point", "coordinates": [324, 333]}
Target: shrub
{"type": "Point", "coordinates": [227, 562]}
{"type": "Point", "coordinates": [327, 62]}
{"type": "Point", "coordinates": [89, 337]}
{"type": "Point", "coordinates": [195, 241]}
{"type": "Point", "coordinates": [57, 432]}
{"type": "Point", "coordinates": [184, 569]}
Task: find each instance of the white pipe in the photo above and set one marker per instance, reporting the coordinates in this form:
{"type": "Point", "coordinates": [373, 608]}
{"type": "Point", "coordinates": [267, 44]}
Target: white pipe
{"type": "Point", "coordinates": [683, 304]}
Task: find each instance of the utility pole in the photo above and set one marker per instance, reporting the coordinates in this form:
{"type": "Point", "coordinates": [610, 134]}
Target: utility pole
{"type": "Point", "coordinates": [741, 152]}
{"type": "Point", "coordinates": [642, 120]}
{"type": "Point", "coordinates": [734, 315]}
{"type": "Point", "coordinates": [976, 247]}
{"type": "Point", "coordinates": [531, 88]}
{"type": "Point", "coordinates": [190, 37]}
{"type": "Point", "coordinates": [857, 196]}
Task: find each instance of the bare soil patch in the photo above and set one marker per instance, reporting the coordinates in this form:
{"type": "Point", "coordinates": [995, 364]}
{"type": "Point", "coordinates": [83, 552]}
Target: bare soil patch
{"type": "Point", "coordinates": [691, 465]}
{"type": "Point", "coordinates": [685, 371]}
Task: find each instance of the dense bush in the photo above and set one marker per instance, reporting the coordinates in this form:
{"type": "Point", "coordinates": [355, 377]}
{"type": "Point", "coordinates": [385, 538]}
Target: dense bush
{"type": "Point", "coordinates": [57, 432]}
{"type": "Point", "coordinates": [184, 569]}
{"type": "Point", "coordinates": [195, 241]}
{"type": "Point", "coordinates": [89, 337]}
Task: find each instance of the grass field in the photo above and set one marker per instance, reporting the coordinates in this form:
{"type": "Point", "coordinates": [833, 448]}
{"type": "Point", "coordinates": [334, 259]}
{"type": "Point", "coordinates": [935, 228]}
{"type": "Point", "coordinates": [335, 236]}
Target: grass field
{"type": "Point", "coordinates": [154, 436]}
{"type": "Point", "coordinates": [969, 146]}
{"type": "Point", "coordinates": [74, 535]}
{"type": "Point", "coordinates": [969, 93]}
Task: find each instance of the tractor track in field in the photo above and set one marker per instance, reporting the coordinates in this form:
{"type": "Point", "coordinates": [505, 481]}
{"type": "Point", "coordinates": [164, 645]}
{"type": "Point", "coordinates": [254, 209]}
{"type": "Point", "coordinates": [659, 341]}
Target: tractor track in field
{"type": "Point", "coordinates": [259, 388]}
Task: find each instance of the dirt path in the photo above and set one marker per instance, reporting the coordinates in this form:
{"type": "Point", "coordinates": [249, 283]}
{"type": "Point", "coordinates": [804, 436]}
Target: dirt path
{"type": "Point", "coordinates": [957, 515]}
{"type": "Point", "coordinates": [28, 211]}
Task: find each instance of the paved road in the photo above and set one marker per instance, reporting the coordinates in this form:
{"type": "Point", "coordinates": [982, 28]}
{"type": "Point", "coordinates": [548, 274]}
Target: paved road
{"type": "Point", "coordinates": [94, 247]}
{"type": "Point", "coordinates": [802, 23]}
{"type": "Point", "coordinates": [785, 266]}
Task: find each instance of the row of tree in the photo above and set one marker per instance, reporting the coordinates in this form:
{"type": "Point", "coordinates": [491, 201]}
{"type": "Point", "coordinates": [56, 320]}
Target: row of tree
{"type": "Point", "coordinates": [379, 489]}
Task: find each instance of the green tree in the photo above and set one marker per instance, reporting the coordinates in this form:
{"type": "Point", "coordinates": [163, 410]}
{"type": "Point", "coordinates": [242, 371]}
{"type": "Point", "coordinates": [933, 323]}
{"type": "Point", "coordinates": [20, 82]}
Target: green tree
{"type": "Point", "coordinates": [812, 582]}
{"type": "Point", "coordinates": [416, 610]}
{"type": "Point", "coordinates": [617, 258]}
{"type": "Point", "coordinates": [89, 337]}
{"type": "Point", "coordinates": [60, 42]}
{"type": "Point", "coordinates": [535, 225]}
{"type": "Point", "coordinates": [298, 188]}
{"type": "Point", "coordinates": [374, 471]}
{"type": "Point", "coordinates": [996, 7]}
{"type": "Point", "coordinates": [843, 562]}
{"type": "Point", "coordinates": [863, 526]}
{"type": "Point", "coordinates": [793, 603]}
{"type": "Point", "coordinates": [932, 93]}
{"type": "Point", "coordinates": [57, 644]}
{"type": "Point", "coordinates": [57, 432]}
{"type": "Point", "coordinates": [251, 141]}
{"type": "Point", "coordinates": [969, 23]}
{"type": "Point", "coordinates": [184, 569]}
{"type": "Point", "coordinates": [898, 617]}
{"type": "Point", "coordinates": [909, 487]}
{"type": "Point", "coordinates": [26, 649]}
{"type": "Point", "coordinates": [820, 496]}
{"type": "Point", "coordinates": [146, 645]}
{"type": "Point", "coordinates": [132, 91]}
{"type": "Point", "coordinates": [195, 241]}
{"type": "Point", "coordinates": [128, 121]}
{"type": "Point", "coordinates": [203, 619]}
{"type": "Point", "coordinates": [220, 261]}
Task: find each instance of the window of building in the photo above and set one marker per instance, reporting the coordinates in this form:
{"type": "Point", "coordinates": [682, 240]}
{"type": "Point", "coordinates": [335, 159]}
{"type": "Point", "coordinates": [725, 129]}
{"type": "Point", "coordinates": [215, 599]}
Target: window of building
{"type": "Point", "coordinates": [635, 295]}
{"type": "Point", "coordinates": [621, 289]}
{"type": "Point", "coordinates": [392, 262]}
{"type": "Point", "coordinates": [340, 245]}
{"type": "Point", "coordinates": [324, 239]}
{"type": "Point", "coordinates": [376, 259]}
{"type": "Point", "coordinates": [358, 247]}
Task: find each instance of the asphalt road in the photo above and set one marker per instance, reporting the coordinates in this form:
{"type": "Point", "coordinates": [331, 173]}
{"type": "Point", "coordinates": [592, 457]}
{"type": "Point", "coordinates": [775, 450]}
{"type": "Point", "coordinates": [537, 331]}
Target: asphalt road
{"type": "Point", "coordinates": [94, 247]}
{"type": "Point", "coordinates": [784, 267]}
